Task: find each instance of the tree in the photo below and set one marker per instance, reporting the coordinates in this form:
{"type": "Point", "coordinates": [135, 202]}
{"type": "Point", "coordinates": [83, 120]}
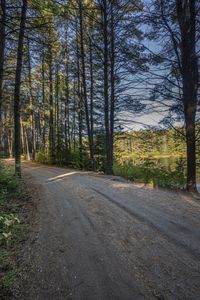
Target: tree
{"type": "Point", "coordinates": [17, 126]}
{"type": "Point", "coordinates": [2, 46]}
{"type": "Point", "coordinates": [187, 19]}
{"type": "Point", "coordinates": [174, 26]}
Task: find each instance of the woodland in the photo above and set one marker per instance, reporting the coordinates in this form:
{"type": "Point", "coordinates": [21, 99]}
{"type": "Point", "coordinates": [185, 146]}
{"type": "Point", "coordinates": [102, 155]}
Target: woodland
{"type": "Point", "coordinates": [75, 76]}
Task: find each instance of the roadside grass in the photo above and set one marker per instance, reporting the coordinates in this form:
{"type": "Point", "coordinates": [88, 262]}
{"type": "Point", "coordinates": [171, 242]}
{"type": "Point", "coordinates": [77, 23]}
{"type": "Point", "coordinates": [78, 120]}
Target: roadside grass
{"type": "Point", "coordinates": [145, 171]}
{"type": "Point", "coordinates": [12, 229]}
{"type": "Point", "coordinates": [148, 173]}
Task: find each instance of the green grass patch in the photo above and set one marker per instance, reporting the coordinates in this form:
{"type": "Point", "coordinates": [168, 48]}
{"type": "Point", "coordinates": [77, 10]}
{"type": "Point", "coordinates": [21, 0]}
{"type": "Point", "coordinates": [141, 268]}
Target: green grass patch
{"type": "Point", "coordinates": [9, 278]}
{"type": "Point", "coordinates": [149, 173]}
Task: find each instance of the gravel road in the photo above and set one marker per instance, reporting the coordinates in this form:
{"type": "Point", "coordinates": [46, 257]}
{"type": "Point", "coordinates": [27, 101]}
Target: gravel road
{"type": "Point", "coordinates": [99, 237]}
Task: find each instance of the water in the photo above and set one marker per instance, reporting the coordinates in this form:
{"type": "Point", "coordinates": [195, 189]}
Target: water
{"type": "Point", "coordinates": [171, 162]}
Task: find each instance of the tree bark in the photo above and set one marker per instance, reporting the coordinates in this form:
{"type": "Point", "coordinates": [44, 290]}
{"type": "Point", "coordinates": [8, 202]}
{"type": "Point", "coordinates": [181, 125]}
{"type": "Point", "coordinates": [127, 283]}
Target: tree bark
{"type": "Point", "coordinates": [108, 166]}
{"type": "Point", "coordinates": [186, 14]}
{"type": "Point", "coordinates": [17, 87]}
{"type": "Point", "coordinates": [51, 118]}
{"type": "Point", "coordinates": [112, 84]}
{"type": "Point", "coordinates": [10, 142]}
{"type": "Point", "coordinates": [43, 101]}
{"type": "Point", "coordinates": [27, 143]}
{"type": "Point", "coordinates": [91, 102]}
{"type": "Point", "coordinates": [31, 104]}
{"type": "Point", "coordinates": [2, 47]}
{"type": "Point", "coordinates": [57, 108]}
{"type": "Point", "coordinates": [84, 84]}
{"type": "Point", "coordinates": [22, 139]}
{"type": "Point", "coordinates": [80, 101]}
{"type": "Point", "coordinates": [67, 114]}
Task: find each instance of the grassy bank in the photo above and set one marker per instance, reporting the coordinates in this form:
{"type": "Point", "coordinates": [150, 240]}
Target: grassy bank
{"type": "Point", "coordinates": [149, 173]}
{"type": "Point", "coordinates": [12, 227]}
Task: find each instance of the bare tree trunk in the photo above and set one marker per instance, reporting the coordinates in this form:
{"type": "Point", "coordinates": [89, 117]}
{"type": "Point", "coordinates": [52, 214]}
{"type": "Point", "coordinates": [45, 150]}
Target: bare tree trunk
{"type": "Point", "coordinates": [43, 100]}
{"type": "Point", "coordinates": [80, 101]}
{"type": "Point", "coordinates": [112, 83]}
{"type": "Point", "coordinates": [91, 101]}
{"type": "Point", "coordinates": [57, 105]}
{"type": "Point", "coordinates": [17, 89]}
{"type": "Point", "coordinates": [84, 83]}
{"type": "Point", "coordinates": [10, 142]}
{"type": "Point", "coordinates": [80, 122]}
{"type": "Point", "coordinates": [22, 139]}
{"type": "Point", "coordinates": [74, 115]}
{"type": "Point", "coordinates": [51, 118]}
{"type": "Point", "coordinates": [67, 114]}
{"type": "Point", "coordinates": [186, 14]}
{"type": "Point", "coordinates": [2, 47]}
{"type": "Point", "coordinates": [57, 122]}
{"type": "Point", "coordinates": [26, 143]}
{"type": "Point", "coordinates": [106, 95]}
{"type": "Point", "coordinates": [31, 104]}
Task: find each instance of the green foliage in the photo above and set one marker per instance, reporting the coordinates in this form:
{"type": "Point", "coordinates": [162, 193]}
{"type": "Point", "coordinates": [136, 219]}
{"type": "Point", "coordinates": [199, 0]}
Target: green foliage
{"type": "Point", "coordinates": [66, 157]}
{"type": "Point", "coordinates": [73, 159]}
{"type": "Point", "coordinates": [42, 157]}
{"type": "Point", "coordinates": [4, 154]}
{"type": "Point", "coordinates": [8, 227]}
{"type": "Point", "coordinates": [11, 229]}
{"type": "Point", "coordinates": [8, 181]}
{"type": "Point", "coordinates": [150, 156]}
{"type": "Point", "coordinates": [8, 279]}
{"type": "Point", "coordinates": [10, 187]}
{"type": "Point", "coordinates": [155, 157]}
{"type": "Point", "coordinates": [149, 173]}
{"type": "Point", "coordinates": [143, 144]}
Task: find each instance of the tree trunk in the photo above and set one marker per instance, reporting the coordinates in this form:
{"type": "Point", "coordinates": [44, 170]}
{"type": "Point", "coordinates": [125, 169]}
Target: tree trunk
{"type": "Point", "coordinates": [51, 118]}
{"type": "Point", "coordinates": [10, 142]}
{"type": "Point", "coordinates": [27, 143]}
{"type": "Point", "coordinates": [108, 166]}
{"type": "Point", "coordinates": [17, 89]}
{"type": "Point", "coordinates": [80, 100]}
{"type": "Point", "coordinates": [91, 102]}
{"type": "Point", "coordinates": [186, 14]}
{"type": "Point", "coordinates": [80, 123]}
{"type": "Point", "coordinates": [22, 139]}
{"type": "Point", "coordinates": [74, 115]}
{"type": "Point", "coordinates": [31, 104]}
{"type": "Point", "coordinates": [112, 83]}
{"type": "Point", "coordinates": [2, 47]}
{"type": "Point", "coordinates": [67, 115]}
{"type": "Point", "coordinates": [43, 101]}
{"type": "Point", "coordinates": [57, 108]}
{"type": "Point", "coordinates": [84, 83]}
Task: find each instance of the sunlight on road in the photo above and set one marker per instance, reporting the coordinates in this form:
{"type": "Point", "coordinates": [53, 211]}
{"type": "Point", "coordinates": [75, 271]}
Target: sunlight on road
{"type": "Point", "coordinates": [60, 177]}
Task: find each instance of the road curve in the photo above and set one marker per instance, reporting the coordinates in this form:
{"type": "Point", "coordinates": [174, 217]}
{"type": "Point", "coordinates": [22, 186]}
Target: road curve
{"type": "Point", "coordinates": [99, 237]}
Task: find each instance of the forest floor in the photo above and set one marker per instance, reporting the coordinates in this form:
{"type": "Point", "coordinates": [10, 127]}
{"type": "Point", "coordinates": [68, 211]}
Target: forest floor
{"type": "Point", "coordinates": [99, 237]}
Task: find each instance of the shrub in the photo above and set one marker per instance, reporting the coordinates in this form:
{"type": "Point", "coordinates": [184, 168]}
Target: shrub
{"type": "Point", "coordinates": [42, 157]}
{"type": "Point", "coordinates": [148, 172]}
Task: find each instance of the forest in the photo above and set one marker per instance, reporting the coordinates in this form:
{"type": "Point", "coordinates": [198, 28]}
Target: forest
{"type": "Point", "coordinates": [99, 149]}
{"type": "Point", "coordinates": [75, 76]}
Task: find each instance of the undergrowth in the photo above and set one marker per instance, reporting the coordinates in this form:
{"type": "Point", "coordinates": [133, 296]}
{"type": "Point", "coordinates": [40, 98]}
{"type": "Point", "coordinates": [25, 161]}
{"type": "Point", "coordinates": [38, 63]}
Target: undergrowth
{"type": "Point", "coordinates": [149, 173]}
{"type": "Point", "coordinates": [12, 230]}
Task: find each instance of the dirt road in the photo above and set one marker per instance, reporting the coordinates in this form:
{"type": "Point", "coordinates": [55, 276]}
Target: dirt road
{"type": "Point", "coordinates": [99, 237]}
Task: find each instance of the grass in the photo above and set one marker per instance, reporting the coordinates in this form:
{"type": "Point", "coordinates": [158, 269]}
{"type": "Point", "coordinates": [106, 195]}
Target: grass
{"type": "Point", "coordinates": [8, 279]}
{"type": "Point", "coordinates": [149, 173]}
{"type": "Point", "coordinates": [12, 230]}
